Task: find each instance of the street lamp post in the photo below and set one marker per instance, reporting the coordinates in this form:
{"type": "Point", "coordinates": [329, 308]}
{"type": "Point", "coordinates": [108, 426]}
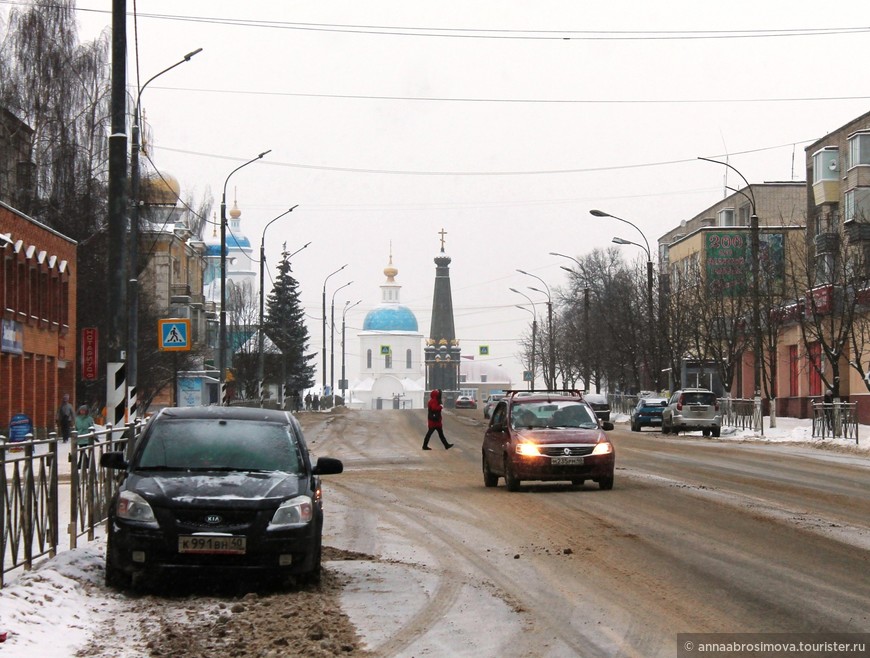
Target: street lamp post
{"type": "Point", "coordinates": [347, 307]}
{"type": "Point", "coordinates": [534, 313]}
{"type": "Point", "coordinates": [551, 384]}
{"type": "Point", "coordinates": [222, 333]}
{"type": "Point", "coordinates": [756, 312]}
{"type": "Point", "coordinates": [332, 344]}
{"type": "Point", "coordinates": [649, 287]}
{"type": "Point", "coordinates": [133, 258]}
{"type": "Point", "coordinates": [323, 390]}
{"type": "Point", "coordinates": [261, 361]}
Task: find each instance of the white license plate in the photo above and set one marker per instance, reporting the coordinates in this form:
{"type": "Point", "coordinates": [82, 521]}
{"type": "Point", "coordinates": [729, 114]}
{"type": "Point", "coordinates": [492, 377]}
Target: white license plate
{"type": "Point", "coordinates": [565, 461]}
{"type": "Point", "coordinates": [212, 544]}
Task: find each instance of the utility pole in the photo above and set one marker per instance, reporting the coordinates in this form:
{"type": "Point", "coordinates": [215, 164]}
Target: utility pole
{"type": "Point", "coordinates": [116, 379]}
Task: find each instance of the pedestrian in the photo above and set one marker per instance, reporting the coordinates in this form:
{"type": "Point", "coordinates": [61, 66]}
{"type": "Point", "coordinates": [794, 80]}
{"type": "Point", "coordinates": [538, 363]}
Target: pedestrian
{"type": "Point", "coordinates": [65, 418]}
{"type": "Point", "coordinates": [828, 406]}
{"type": "Point", "coordinates": [315, 402]}
{"type": "Point", "coordinates": [84, 426]}
{"type": "Point", "coordinates": [308, 401]}
{"type": "Point", "coordinates": [434, 420]}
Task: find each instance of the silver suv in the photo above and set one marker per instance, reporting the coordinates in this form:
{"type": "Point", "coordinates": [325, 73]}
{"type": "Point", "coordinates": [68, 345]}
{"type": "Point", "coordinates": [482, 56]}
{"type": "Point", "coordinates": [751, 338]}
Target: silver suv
{"type": "Point", "coordinates": [692, 410]}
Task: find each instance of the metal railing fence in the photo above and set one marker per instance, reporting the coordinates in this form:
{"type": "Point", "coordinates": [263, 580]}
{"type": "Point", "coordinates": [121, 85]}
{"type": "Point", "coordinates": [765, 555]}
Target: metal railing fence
{"type": "Point", "coordinates": [835, 420]}
{"type": "Point", "coordinates": [30, 493]}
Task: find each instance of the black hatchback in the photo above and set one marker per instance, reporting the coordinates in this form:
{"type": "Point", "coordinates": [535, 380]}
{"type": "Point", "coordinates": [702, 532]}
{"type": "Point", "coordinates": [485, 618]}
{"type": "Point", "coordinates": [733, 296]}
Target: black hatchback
{"type": "Point", "coordinates": [215, 491]}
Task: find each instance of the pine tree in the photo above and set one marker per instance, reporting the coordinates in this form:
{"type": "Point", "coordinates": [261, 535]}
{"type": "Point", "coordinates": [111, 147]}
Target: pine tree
{"type": "Point", "coordinates": [285, 327]}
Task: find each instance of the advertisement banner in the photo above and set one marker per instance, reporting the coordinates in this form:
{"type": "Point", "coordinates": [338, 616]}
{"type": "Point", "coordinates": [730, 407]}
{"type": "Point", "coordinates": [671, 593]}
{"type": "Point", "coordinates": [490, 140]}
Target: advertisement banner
{"type": "Point", "coordinates": [90, 353]}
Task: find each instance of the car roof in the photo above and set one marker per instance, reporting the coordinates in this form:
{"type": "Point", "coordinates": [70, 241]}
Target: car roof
{"type": "Point", "coordinates": [214, 412]}
{"type": "Point", "coordinates": [543, 396]}
{"type": "Point", "coordinates": [648, 400]}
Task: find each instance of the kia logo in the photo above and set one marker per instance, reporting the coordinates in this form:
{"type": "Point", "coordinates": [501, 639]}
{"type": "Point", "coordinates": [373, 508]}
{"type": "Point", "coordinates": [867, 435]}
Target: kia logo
{"type": "Point", "coordinates": [213, 518]}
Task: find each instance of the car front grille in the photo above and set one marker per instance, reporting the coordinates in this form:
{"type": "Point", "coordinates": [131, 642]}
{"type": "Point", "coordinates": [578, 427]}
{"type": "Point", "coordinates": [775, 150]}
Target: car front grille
{"type": "Point", "coordinates": [217, 520]}
{"type": "Point", "coordinates": [566, 451]}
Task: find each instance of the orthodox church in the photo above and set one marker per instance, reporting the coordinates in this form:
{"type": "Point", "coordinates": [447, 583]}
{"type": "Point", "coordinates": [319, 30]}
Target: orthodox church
{"type": "Point", "coordinates": [241, 272]}
{"type": "Point", "coordinates": [391, 366]}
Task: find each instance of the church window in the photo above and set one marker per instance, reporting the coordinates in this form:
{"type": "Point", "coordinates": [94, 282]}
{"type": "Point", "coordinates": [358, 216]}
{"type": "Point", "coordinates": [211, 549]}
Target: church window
{"type": "Point", "coordinates": [388, 360]}
{"type": "Point", "coordinates": [408, 359]}
{"type": "Point", "coordinates": [369, 359]}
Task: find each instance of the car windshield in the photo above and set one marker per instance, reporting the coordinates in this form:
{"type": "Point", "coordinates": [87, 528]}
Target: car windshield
{"type": "Point", "coordinates": [219, 445]}
{"type": "Point", "coordinates": [553, 415]}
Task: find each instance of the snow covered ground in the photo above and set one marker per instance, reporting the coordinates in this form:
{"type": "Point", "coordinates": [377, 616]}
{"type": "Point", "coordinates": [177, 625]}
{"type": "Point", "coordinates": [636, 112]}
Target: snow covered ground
{"type": "Point", "coordinates": [52, 610]}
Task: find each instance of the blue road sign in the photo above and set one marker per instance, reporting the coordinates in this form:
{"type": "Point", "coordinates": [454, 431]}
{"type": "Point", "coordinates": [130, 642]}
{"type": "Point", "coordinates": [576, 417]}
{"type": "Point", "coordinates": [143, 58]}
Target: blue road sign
{"type": "Point", "coordinates": [174, 335]}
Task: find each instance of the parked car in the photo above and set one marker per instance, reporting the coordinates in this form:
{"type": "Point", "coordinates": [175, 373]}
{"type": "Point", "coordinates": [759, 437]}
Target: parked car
{"type": "Point", "coordinates": [692, 410]}
{"type": "Point", "coordinates": [217, 491]}
{"type": "Point", "coordinates": [549, 437]}
{"type": "Point", "coordinates": [647, 413]}
{"type": "Point", "coordinates": [465, 402]}
{"type": "Point", "coordinates": [600, 404]}
{"type": "Point", "coordinates": [489, 405]}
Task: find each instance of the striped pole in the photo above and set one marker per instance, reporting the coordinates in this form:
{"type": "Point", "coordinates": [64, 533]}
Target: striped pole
{"type": "Point", "coordinates": [116, 394]}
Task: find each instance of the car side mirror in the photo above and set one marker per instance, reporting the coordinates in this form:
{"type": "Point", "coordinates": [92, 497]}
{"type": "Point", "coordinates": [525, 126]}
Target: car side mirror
{"type": "Point", "coordinates": [606, 425]}
{"type": "Point", "coordinates": [327, 466]}
{"type": "Point", "coordinates": [113, 460]}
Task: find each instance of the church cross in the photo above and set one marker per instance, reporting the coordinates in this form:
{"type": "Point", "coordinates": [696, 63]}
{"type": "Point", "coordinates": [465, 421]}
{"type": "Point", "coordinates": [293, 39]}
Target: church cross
{"type": "Point", "coordinates": [442, 233]}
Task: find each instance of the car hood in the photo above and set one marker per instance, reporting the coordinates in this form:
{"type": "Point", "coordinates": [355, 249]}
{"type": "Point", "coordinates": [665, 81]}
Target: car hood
{"type": "Point", "coordinates": [253, 490]}
{"type": "Point", "coordinates": [562, 435]}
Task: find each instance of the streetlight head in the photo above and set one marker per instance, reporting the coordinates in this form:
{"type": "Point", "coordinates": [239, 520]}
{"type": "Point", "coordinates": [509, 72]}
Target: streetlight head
{"type": "Point", "coordinates": [191, 54]}
{"type": "Point", "coordinates": [567, 269]}
{"type": "Point", "coordinates": [265, 153]}
{"type": "Point", "coordinates": [599, 213]}
{"type": "Point", "coordinates": [621, 241]}
{"type": "Point", "coordinates": [513, 289]}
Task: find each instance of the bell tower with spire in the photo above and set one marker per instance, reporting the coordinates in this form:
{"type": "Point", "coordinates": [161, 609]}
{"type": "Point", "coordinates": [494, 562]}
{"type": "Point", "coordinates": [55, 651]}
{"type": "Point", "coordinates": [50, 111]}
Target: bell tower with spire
{"type": "Point", "coordinates": [442, 348]}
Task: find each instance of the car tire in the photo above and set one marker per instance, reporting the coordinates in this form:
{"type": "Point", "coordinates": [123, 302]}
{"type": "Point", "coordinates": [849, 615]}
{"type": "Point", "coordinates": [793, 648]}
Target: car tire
{"type": "Point", "coordinates": [606, 484]}
{"type": "Point", "coordinates": [666, 429]}
{"type": "Point", "coordinates": [490, 479]}
{"type": "Point", "coordinates": [313, 576]}
{"type": "Point", "coordinates": [635, 427]}
{"type": "Point", "coordinates": [115, 577]}
{"type": "Point", "coordinates": [705, 432]}
{"type": "Point", "coordinates": [511, 481]}
{"type": "Point", "coordinates": [716, 432]}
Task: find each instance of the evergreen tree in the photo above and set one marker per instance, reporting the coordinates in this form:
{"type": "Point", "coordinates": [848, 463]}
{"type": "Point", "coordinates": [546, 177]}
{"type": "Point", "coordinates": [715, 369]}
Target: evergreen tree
{"type": "Point", "coordinates": [285, 325]}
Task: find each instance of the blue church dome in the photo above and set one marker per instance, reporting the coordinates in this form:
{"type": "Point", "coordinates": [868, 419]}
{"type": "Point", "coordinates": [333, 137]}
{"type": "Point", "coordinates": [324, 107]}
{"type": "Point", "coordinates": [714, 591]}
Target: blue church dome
{"type": "Point", "coordinates": [393, 317]}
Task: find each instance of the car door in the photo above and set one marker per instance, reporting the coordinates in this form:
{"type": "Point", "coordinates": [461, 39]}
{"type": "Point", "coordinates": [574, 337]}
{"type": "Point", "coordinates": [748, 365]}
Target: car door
{"type": "Point", "coordinates": [495, 438]}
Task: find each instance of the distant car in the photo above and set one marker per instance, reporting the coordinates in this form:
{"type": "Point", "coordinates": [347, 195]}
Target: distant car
{"type": "Point", "coordinates": [600, 404]}
{"type": "Point", "coordinates": [217, 491]}
{"type": "Point", "coordinates": [692, 410]}
{"type": "Point", "coordinates": [647, 413]}
{"type": "Point", "coordinates": [546, 436]}
{"type": "Point", "coordinates": [489, 405]}
{"type": "Point", "coordinates": [465, 402]}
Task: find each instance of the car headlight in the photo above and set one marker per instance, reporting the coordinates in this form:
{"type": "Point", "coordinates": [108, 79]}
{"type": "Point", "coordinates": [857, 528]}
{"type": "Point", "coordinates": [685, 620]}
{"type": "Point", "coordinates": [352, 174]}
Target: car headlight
{"type": "Point", "coordinates": [292, 513]}
{"type": "Point", "coordinates": [528, 450]}
{"type": "Point", "coordinates": [603, 448]}
{"type": "Point", "coordinates": [132, 507]}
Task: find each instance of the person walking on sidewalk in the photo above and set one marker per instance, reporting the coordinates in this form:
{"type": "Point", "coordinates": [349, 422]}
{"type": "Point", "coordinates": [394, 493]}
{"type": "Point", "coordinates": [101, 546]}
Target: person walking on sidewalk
{"type": "Point", "coordinates": [434, 420]}
{"type": "Point", "coordinates": [66, 417]}
{"type": "Point", "coordinates": [84, 432]}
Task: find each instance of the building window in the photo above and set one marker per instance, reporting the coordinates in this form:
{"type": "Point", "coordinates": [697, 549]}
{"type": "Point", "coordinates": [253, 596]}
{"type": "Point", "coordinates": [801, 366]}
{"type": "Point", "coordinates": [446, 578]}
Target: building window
{"type": "Point", "coordinates": [745, 215]}
{"type": "Point", "coordinates": [857, 205]}
{"type": "Point", "coordinates": [369, 359]}
{"type": "Point", "coordinates": [859, 149]}
{"type": "Point", "coordinates": [826, 164]}
{"type": "Point", "coordinates": [725, 217]}
{"type": "Point", "coordinates": [824, 268]}
{"type": "Point", "coordinates": [463, 378]}
{"type": "Point", "coordinates": [793, 372]}
{"type": "Point", "coordinates": [483, 379]}
{"type": "Point", "coordinates": [408, 360]}
{"type": "Point", "coordinates": [815, 358]}
{"type": "Point", "coordinates": [388, 360]}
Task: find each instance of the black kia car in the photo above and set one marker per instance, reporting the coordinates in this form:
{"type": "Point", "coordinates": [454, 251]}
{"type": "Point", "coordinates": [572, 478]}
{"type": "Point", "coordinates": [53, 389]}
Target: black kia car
{"type": "Point", "coordinates": [217, 491]}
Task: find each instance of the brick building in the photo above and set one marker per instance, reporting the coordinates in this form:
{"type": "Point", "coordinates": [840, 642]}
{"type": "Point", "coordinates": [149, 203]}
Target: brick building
{"type": "Point", "coordinates": [38, 306]}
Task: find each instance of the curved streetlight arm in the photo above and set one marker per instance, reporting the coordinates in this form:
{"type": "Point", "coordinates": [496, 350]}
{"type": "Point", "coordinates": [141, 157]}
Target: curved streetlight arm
{"type": "Point", "coordinates": [339, 288]}
{"type": "Point", "coordinates": [535, 276]}
{"type": "Point", "coordinates": [184, 59]}
{"type": "Point", "coordinates": [556, 253]}
{"type": "Point", "coordinates": [348, 306]}
{"type": "Point", "coordinates": [617, 240]}
{"type": "Point", "coordinates": [260, 156]}
{"type": "Point", "coordinates": [736, 171]}
{"type": "Point", "coordinates": [519, 292]}
{"type": "Point", "coordinates": [305, 246]}
{"type": "Point", "coordinates": [601, 213]}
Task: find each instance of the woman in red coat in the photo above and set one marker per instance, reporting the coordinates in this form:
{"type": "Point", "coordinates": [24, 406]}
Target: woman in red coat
{"type": "Point", "coordinates": [434, 416]}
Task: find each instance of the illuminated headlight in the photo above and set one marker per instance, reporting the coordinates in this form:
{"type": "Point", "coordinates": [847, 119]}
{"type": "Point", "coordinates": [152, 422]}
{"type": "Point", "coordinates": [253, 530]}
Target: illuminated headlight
{"type": "Point", "coordinates": [293, 513]}
{"type": "Point", "coordinates": [132, 507]}
{"type": "Point", "coordinates": [528, 450]}
{"type": "Point", "coordinates": [603, 448]}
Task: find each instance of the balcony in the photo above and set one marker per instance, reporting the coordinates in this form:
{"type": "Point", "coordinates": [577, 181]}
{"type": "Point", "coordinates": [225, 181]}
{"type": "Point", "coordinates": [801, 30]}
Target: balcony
{"type": "Point", "coordinates": [827, 243]}
{"type": "Point", "coordinates": [857, 232]}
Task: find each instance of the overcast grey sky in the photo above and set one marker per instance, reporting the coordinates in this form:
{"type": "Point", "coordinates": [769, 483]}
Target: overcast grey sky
{"type": "Point", "coordinates": [502, 123]}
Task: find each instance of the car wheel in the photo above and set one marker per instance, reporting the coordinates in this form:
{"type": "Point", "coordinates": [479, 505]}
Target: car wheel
{"type": "Point", "coordinates": [606, 483]}
{"type": "Point", "coordinates": [635, 427]}
{"type": "Point", "coordinates": [115, 577]}
{"type": "Point", "coordinates": [312, 577]}
{"type": "Point", "coordinates": [717, 431]}
{"type": "Point", "coordinates": [705, 432]}
{"type": "Point", "coordinates": [511, 481]}
{"type": "Point", "coordinates": [490, 479]}
{"type": "Point", "coordinates": [666, 429]}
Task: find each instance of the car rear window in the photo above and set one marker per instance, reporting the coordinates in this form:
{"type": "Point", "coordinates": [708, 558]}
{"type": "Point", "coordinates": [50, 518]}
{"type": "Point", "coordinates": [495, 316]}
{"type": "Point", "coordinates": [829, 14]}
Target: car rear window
{"type": "Point", "coordinates": [694, 397]}
{"type": "Point", "coordinates": [211, 444]}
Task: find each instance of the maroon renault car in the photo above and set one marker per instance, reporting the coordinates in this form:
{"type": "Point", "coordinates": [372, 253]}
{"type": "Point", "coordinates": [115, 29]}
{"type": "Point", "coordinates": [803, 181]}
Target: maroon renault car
{"type": "Point", "coordinates": [547, 436]}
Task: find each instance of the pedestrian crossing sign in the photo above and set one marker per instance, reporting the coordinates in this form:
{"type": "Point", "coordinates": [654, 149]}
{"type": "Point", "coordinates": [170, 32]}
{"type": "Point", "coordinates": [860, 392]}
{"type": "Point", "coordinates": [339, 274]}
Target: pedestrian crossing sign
{"type": "Point", "coordinates": [174, 334]}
